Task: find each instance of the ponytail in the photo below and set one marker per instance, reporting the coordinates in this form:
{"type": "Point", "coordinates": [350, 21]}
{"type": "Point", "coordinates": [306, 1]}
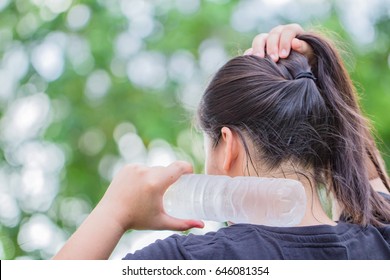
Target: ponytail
{"type": "Point", "coordinates": [353, 146]}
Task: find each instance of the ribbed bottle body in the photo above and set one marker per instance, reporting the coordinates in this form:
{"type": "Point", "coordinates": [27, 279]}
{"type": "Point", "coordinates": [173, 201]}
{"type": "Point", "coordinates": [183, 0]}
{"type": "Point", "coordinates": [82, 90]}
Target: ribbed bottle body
{"type": "Point", "coordinates": [255, 200]}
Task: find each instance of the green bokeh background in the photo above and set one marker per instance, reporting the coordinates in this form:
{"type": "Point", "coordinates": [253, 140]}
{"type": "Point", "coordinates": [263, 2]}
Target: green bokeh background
{"type": "Point", "coordinates": [156, 117]}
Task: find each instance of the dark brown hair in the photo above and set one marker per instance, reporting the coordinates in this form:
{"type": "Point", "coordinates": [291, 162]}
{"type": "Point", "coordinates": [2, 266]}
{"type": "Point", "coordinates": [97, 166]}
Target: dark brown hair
{"type": "Point", "coordinates": [313, 121]}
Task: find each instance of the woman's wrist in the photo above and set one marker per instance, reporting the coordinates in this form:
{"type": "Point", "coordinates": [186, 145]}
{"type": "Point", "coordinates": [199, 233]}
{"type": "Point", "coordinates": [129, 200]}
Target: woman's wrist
{"type": "Point", "coordinates": [111, 214]}
{"type": "Point", "coordinates": [95, 239]}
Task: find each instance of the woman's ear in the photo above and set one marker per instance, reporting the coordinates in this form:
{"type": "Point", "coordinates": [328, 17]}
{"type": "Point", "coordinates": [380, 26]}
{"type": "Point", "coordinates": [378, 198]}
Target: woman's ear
{"type": "Point", "coordinates": [231, 150]}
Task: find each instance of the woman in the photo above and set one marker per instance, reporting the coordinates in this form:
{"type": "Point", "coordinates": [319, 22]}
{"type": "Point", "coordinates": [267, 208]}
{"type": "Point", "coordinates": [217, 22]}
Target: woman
{"type": "Point", "coordinates": [273, 113]}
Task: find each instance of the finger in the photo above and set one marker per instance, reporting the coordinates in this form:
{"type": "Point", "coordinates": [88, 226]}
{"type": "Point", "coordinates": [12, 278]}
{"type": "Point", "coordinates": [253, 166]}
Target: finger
{"type": "Point", "coordinates": [166, 176]}
{"type": "Point", "coordinates": [258, 44]}
{"type": "Point", "coordinates": [272, 47]}
{"type": "Point", "coordinates": [249, 51]}
{"type": "Point", "coordinates": [301, 47]}
{"type": "Point", "coordinates": [285, 41]}
{"type": "Point", "coordinates": [171, 223]}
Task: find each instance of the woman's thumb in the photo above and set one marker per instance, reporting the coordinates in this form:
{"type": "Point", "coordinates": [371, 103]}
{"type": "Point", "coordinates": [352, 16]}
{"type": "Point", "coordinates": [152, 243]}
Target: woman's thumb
{"type": "Point", "coordinates": [301, 47]}
{"type": "Point", "coordinates": [172, 223]}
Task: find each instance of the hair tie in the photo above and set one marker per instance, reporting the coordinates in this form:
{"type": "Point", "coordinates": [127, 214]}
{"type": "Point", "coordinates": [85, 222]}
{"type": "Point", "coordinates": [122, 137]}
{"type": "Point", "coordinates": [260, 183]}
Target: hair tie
{"type": "Point", "coordinates": [308, 75]}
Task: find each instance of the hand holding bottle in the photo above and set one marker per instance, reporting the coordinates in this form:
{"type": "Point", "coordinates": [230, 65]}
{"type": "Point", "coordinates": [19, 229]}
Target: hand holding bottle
{"type": "Point", "coordinates": [134, 200]}
{"type": "Point", "coordinates": [135, 197]}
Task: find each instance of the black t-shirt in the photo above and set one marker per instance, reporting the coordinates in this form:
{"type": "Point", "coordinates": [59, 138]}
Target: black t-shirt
{"type": "Point", "coordinates": [247, 241]}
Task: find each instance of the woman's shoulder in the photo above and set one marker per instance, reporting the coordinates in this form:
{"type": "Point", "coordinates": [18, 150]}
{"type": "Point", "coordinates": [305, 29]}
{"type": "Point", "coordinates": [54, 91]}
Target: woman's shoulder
{"type": "Point", "coordinates": [248, 241]}
{"type": "Point", "coordinates": [231, 242]}
{"type": "Point", "coordinates": [385, 195]}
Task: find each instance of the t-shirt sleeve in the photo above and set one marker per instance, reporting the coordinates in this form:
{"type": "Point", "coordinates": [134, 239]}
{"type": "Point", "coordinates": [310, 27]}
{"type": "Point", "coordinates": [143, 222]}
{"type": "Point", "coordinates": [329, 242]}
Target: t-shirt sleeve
{"type": "Point", "coordinates": [166, 249]}
{"type": "Point", "coordinates": [385, 196]}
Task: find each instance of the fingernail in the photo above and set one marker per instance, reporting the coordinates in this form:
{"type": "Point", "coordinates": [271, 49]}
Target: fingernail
{"type": "Point", "coordinates": [274, 57]}
{"type": "Point", "coordinates": [283, 53]}
{"type": "Point", "coordinates": [258, 54]}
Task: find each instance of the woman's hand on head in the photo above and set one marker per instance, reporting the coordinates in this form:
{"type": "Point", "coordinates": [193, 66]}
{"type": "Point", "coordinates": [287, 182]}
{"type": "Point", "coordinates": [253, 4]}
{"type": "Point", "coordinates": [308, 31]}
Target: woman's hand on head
{"type": "Point", "coordinates": [279, 42]}
{"type": "Point", "coordinates": [135, 197]}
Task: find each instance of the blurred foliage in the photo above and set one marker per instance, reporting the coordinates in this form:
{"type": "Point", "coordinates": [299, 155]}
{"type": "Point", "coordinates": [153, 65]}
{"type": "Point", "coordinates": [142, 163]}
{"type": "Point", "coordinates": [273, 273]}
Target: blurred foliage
{"type": "Point", "coordinates": [129, 74]}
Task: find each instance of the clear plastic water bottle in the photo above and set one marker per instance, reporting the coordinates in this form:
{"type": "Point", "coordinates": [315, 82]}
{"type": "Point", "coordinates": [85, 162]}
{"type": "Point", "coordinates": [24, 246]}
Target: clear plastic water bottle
{"type": "Point", "coordinates": [266, 201]}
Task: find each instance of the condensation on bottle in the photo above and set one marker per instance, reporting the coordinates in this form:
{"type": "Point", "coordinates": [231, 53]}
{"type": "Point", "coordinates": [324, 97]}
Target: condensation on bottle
{"type": "Point", "coordinates": [265, 201]}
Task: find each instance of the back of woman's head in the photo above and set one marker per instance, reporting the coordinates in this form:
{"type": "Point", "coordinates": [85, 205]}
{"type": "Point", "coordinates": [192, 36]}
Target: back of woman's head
{"type": "Point", "coordinates": [305, 117]}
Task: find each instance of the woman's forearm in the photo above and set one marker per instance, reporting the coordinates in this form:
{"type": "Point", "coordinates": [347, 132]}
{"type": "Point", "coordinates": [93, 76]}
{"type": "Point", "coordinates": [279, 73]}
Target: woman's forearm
{"type": "Point", "coordinates": [95, 239]}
